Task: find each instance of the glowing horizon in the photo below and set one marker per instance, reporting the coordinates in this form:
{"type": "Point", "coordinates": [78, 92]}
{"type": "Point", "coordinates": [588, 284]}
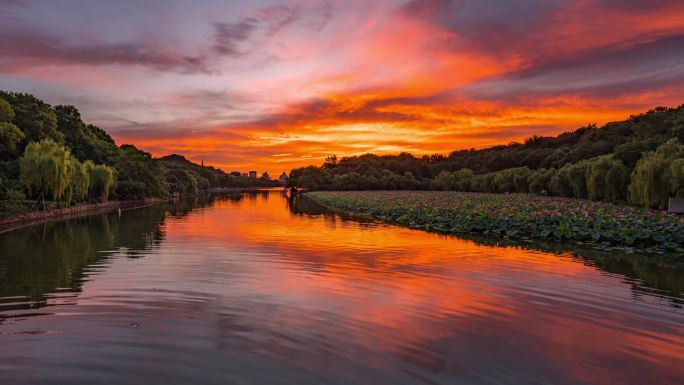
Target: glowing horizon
{"type": "Point", "coordinates": [273, 85]}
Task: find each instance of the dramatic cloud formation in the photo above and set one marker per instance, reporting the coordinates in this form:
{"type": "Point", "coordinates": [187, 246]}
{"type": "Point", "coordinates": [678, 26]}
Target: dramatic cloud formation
{"type": "Point", "coordinates": [271, 85]}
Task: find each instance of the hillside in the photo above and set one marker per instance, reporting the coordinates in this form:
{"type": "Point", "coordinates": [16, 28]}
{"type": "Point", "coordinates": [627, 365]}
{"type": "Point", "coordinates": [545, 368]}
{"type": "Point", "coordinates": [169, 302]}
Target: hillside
{"type": "Point", "coordinates": [636, 160]}
{"type": "Point", "coordinates": [50, 152]}
{"type": "Point", "coordinates": [179, 171]}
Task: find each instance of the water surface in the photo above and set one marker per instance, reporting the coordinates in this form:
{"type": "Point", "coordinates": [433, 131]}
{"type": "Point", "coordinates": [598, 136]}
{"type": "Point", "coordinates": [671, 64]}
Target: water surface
{"type": "Point", "coordinates": [255, 289]}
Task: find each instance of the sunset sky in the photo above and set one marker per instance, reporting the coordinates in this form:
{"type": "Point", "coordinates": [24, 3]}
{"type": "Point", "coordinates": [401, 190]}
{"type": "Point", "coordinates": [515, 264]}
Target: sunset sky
{"type": "Point", "coordinates": [271, 85]}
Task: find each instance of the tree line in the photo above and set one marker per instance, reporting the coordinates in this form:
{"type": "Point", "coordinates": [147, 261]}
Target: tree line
{"type": "Point", "coordinates": [50, 152]}
{"type": "Point", "coordinates": [189, 178]}
{"type": "Point", "coordinates": [638, 161]}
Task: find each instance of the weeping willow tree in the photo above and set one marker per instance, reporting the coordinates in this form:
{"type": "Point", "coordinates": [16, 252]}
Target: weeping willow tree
{"type": "Point", "coordinates": [560, 183]}
{"type": "Point", "coordinates": [677, 178]}
{"type": "Point", "coordinates": [101, 180]}
{"type": "Point", "coordinates": [79, 181]}
{"type": "Point", "coordinates": [607, 179]}
{"type": "Point", "coordinates": [539, 180]}
{"type": "Point", "coordinates": [503, 181]}
{"type": "Point", "coordinates": [658, 175]}
{"type": "Point", "coordinates": [45, 168]}
{"type": "Point", "coordinates": [445, 180]}
{"type": "Point", "coordinates": [460, 180]}
{"type": "Point", "coordinates": [577, 173]}
{"type": "Point", "coordinates": [463, 179]}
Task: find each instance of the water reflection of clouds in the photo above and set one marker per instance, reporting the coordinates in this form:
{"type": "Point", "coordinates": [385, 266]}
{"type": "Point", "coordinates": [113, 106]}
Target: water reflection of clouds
{"type": "Point", "coordinates": [247, 279]}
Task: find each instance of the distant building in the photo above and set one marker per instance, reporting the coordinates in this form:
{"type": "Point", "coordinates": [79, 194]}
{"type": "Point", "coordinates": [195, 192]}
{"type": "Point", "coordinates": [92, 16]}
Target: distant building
{"type": "Point", "coordinates": [252, 174]}
{"type": "Point", "coordinates": [245, 174]}
{"type": "Point", "coordinates": [235, 173]}
{"type": "Point", "coordinates": [265, 176]}
{"type": "Point", "coordinates": [283, 178]}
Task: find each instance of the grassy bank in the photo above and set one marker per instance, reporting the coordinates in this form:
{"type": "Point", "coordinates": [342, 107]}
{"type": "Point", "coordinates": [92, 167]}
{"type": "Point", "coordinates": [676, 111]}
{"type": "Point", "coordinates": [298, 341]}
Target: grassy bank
{"type": "Point", "coordinates": [518, 216]}
{"type": "Point", "coordinates": [13, 221]}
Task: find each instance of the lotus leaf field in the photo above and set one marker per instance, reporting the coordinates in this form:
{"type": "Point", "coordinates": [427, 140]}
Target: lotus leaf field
{"type": "Point", "coordinates": [518, 216]}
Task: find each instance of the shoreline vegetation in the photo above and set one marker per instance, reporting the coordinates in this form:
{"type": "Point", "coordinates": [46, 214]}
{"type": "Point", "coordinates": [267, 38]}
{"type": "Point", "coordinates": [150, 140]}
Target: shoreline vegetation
{"type": "Point", "coordinates": [9, 222]}
{"type": "Point", "coordinates": [522, 217]}
{"type": "Point", "coordinates": [638, 161]}
{"type": "Point", "coordinates": [16, 221]}
{"type": "Point", "coordinates": [602, 187]}
{"type": "Point", "coordinates": [50, 157]}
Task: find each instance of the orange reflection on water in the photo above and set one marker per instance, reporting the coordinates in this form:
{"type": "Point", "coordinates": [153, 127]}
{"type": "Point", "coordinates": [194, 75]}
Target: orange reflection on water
{"type": "Point", "coordinates": [422, 296]}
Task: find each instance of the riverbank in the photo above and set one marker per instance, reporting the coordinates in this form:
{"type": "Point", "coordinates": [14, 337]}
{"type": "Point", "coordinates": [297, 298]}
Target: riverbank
{"type": "Point", "coordinates": [15, 221]}
{"type": "Point", "coordinates": [518, 216]}
{"type": "Point", "coordinates": [9, 222]}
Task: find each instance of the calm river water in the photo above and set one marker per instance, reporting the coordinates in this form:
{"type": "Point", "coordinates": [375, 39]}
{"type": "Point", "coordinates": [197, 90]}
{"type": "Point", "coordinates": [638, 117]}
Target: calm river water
{"type": "Point", "coordinates": [255, 289]}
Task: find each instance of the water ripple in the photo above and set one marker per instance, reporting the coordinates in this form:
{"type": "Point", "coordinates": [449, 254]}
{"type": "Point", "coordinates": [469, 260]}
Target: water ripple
{"type": "Point", "coordinates": [255, 289]}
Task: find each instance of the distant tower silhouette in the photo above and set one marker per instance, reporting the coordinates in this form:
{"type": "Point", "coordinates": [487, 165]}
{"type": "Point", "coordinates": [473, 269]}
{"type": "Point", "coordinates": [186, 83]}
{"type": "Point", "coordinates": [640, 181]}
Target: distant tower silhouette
{"type": "Point", "coordinates": [202, 162]}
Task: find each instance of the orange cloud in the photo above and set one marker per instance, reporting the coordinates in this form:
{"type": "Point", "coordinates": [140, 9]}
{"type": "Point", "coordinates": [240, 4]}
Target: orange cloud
{"type": "Point", "coordinates": [287, 85]}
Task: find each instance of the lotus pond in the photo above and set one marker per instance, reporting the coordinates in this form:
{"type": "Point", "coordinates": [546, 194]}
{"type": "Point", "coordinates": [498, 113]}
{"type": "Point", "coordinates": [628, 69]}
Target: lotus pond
{"type": "Point", "coordinates": [519, 216]}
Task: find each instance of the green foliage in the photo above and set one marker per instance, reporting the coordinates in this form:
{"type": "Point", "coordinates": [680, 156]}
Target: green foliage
{"type": "Point", "coordinates": [560, 183]}
{"type": "Point", "coordinates": [139, 175]}
{"type": "Point", "coordinates": [630, 153]}
{"type": "Point", "coordinates": [351, 181]}
{"type": "Point", "coordinates": [46, 168]}
{"type": "Point", "coordinates": [577, 177]}
{"type": "Point", "coordinates": [607, 179]}
{"type": "Point", "coordinates": [444, 181]}
{"type": "Point", "coordinates": [79, 181]}
{"type": "Point", "coordinates": [49, 168]}
{"type": "Point", "coordinates": [311, 177]}
{"type": "Point", "coordinates": [503, 181]}
{"type": "Point", "coordinates": [518, 216]}
{"type": "Point", "coordinates": [408, 181]}
{"type": "Point", "coordinates": [12, 200]}
{"type": "Point", "coordinates": [101, 180]}
{"type": "Point", "coordinates": [520, 179]}
{"type": "Point", "coordinates": [184, 181]}
{"type": "Point", "coordinates": [388, 180]}
{"type": "Point", "coordinates": [6, 111]}
{"type": "Point", "coordinates": [35, 118]}
{"type": "Point", "coordinates": [539, 181]}
{"type": "Point", "coordinates": [657, 176]}
{"type": "Point", "coordinates": [590, 162]}
{"type": "Point", "coordinates": [203, 184]}
{"type": "Point", "coordinates": [206, 177]}
{"type": "Point", "coordinates": [570, 180]}
{"type": "Point", "coordinates": [676, 175]}
{"type": "Point", "coordinates": [53, 151]}
{"type": "Point", "coordinates": [85, 141]}
{"type": "Point", "coordinates": [461, 180]}
{"type": "Point", "coordinates": [10, 136]}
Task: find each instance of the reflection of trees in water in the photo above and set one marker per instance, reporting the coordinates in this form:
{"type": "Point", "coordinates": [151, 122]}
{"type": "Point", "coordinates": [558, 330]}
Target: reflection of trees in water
{"type": "Point", "coordinates": [653, 279]}
{"type": "Point", "coordinates": [38, 260]}
{"type": "Point", "coordinates": [251, 195]}
{"type": "Point", "coordinates": [41, 259]}
{"type": "Point", "coordinates": [647, 274]}
{"type": "Point", "coordinates": [301, 205]}
{"type": "Point", "coordinates": [184, 206]}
